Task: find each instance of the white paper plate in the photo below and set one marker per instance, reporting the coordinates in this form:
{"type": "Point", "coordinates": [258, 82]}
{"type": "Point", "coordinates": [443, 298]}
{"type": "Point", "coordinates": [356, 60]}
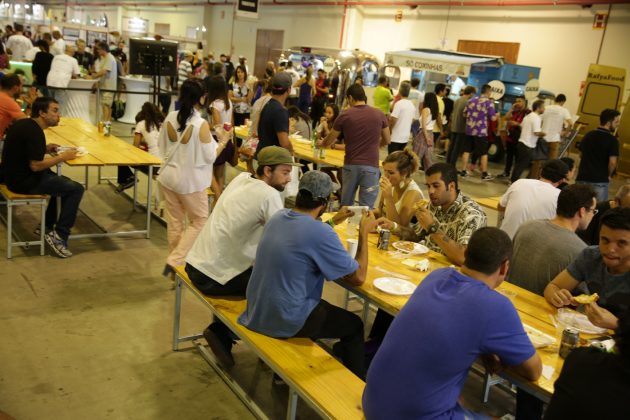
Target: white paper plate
{"type": "Point", "coordinates": [580, 322]}
{"type": "Point", "coordinates": [394, 286]}
{"type": "Point", "coordinates": [538, 338]}
{"type": "Point", "coordinates": [418, 249]}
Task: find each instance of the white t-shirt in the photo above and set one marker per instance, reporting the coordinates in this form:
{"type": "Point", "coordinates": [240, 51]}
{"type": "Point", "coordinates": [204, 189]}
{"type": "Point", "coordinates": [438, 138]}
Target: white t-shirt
{"type": "Point", "coordinates": [30, 54]}
{"type": "Point", "coordinates": [294, 78]}
{"type": "Point", "coordinates": [62, 69]}
{"type": "Point", "coordinates": [416, 97]}
{"type": "Point", "coordinates": [531, 124]}
{"type": "Point", "coordinates": [58, 47]}
{"type": "Point", "coordinates": [456, 87]}
{"type": "Point", "coordinates": [110, 79]}
{"type": "Point", "coordinates": [149, 137]}
{"type": "Point", "coordinates": [226, 246]}
{"type": "Point", "coordinates": [225, 114]}
{"type": "Point", "coordinates": [528, 199]}
{"type": "Point", "coordinates": [19, 45]}
{"type": "Point", "coordinates": [553, 122]}
{"type": "Point", "coordinates": [404, 112]}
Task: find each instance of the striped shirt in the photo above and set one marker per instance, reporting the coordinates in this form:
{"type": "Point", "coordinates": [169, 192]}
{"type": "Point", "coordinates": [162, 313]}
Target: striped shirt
{"type": "Point", "coordinates": [182, 71]}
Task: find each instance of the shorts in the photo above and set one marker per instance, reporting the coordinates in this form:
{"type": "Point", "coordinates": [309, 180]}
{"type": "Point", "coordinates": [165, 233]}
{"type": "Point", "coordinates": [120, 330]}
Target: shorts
{"type": "Point", "coordinates": [107, 98]}
{"type": "Point", "coordinates": [481, 145]}
{"type": "Point", "coordinates": [468, 145]}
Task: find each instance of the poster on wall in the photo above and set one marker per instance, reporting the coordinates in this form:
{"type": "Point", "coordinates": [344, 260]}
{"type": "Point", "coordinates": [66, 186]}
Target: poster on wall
{"type": "Point", "coordinates": [247, 9]}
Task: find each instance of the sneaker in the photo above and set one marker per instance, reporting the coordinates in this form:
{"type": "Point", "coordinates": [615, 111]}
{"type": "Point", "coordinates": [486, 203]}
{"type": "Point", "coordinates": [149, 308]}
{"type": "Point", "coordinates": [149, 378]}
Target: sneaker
{"type": "Point", "coordinates": [58, 245]}
{"type": "Point", "coordinates": [127, 184]}
{"type": "Point", "coordinates": [220, 344]}
{"type": "Point", "coordinates": [463, 174]}
{"type": "Point", "coordinates": [486, 177]}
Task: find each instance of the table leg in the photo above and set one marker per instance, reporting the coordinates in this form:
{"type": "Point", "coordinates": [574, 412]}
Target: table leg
{"type": "Point", "coordinates": [135, 188]}
{"type": "Point", "coordinates": [178, 309]}
{"type": "Point", "coordinates": [149, 197]}
{"type": "Point", "coordinates": [87, 174]}
{"type": "Point", "coordinates": [292, 406]}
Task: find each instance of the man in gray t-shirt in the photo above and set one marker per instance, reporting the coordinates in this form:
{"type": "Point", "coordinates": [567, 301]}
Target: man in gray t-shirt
{"type": "Point", "coordinates": [543, 248]}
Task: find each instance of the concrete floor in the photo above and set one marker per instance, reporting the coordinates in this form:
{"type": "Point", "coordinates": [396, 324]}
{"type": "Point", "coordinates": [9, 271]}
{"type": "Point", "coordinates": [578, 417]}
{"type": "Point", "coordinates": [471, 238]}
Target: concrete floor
{"type": "Point", "coordinates": [90, 336]}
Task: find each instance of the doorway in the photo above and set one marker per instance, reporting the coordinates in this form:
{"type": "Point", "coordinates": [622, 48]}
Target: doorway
{"type": "Point", "coordinates": [268, 48]}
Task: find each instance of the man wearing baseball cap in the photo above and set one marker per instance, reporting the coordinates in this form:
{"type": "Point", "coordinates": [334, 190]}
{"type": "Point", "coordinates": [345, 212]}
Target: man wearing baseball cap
{"type": "Point", "coordinates": [273, 126]}
{"type": "Point", "coordinates": [220, 261]}
{"type": "Point", "coordinates": [295, 254]}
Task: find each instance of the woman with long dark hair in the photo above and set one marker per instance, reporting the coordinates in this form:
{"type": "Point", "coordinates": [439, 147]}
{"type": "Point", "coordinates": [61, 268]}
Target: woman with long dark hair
{"type": "Point", "coordinates": [423, 141]}
{"type": "Point", "coordinates": [241, 96]}
{"type": "Point", "coordinates": [220, 112]}
{"type": "Point", "coordinates": [189, 152]}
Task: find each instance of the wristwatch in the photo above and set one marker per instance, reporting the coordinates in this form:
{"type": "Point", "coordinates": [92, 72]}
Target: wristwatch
{"type": "Point", "coordinates": [433, 227]}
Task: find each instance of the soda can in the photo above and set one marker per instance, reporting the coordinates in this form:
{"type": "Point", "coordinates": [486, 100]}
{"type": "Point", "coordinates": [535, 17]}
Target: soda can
{"type": "Point", "coordinates": [227, 126]}
{"type": "Point", "coordinates": [570, 340]}
{"type": "Point", "coordinates": [383, 239]}
{"type": "Point", "coordinates": [107, 129]}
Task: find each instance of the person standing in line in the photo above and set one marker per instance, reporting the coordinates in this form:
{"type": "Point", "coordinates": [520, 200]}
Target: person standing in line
{"type": "Point", "coordinates": [416, 96]}
{"type": "Point", "coordinates": [322, 87]}
{"type": "Point", "coordinates": [293, 94]}
{"type": "Point", "coordinates": [189, 152]}
{"type": "Point", "coordinates": [58, 46]}
{"type": "Point", "coordinates": [17, 45]}
{"type": "Point", "coordinates": [458, 127]}
{"type": "Point", "coordinates": [63, 68]}
{"type": "Point", "coordinates": [306, 86]}
{"type": "Point", "coordinates": [599, 152]}
{"type": "Point", "coordinates": [531, 131]}
{"type": "Point", "coordinates": [84, 57]}
{"type": "Point", "coordinates": [273, 126]}
{"type": "Point", "coordinates": [423, 142]}
{"type": "Point", "coordinates": [479, 111]}
{"type": "Point", "coordinates": [438, 128]}
{"type": "Point", "coordinates": [365, 130]}
{"type": "Point", "coordinates": [513, 119]}
{"type": "Point", "coordinates": [106, 70]}
{"type": "Point", "coordinates": [457, 86]}
{"type": "Point", "coordinates": [241, 96]}
{"type": "Point", "coordinates": [555, 120]}
{"type": "Point", "coordinates": [401, 119]}
{"type": "Point", "coordinates": [383, 95]}
{"type": "Point", "coordinates": [41, 67]}
{"type": "Point", "coordinates": [184, 69]}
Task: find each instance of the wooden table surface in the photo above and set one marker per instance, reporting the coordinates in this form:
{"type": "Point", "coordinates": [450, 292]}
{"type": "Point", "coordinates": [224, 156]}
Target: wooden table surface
{"type": "Point", "coordinates": [488, 202]}
{"type": "Point", "coordinates": [102, 150]}
{"type": "Point", "coordinates": [532, 309]}
{"type": "Point", "coordinates": [303, 150]}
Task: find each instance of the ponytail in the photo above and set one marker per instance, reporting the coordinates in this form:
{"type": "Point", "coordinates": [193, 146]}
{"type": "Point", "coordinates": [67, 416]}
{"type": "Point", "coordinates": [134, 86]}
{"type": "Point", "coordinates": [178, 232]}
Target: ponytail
{"type": "Point", "coordinates": [190, 94]}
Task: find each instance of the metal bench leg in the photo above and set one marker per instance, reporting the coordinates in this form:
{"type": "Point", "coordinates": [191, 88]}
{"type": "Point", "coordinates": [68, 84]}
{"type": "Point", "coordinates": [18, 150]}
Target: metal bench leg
{"type": "Point", "coordinates": [292, 407]}
{"type": "Point", "coordinates": [149, 198]}
{"type": "Point", "coordinates": [178, 308]}
{"type": "Point", "coordinates": [42, 227]}
{"type": "Point", "coordinates": [346, 299]}
{"type": "Point", "coordinates": [9, 229]}
{"type": "Point", "coordinates": [366, 311]}
{"type": "Point", "coordinates": [135, 189]}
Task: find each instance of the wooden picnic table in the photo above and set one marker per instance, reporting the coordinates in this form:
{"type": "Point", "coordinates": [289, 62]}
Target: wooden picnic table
{"type": "Point", "coordinates": [489, 202]}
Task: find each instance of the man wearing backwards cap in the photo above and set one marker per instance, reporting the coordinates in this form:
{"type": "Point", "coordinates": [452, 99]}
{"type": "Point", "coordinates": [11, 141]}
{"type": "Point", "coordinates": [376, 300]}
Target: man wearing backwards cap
{"type": "Point", "coordinates": [284, 295]}
{"type": "Point", "coordinates": [273, 126]}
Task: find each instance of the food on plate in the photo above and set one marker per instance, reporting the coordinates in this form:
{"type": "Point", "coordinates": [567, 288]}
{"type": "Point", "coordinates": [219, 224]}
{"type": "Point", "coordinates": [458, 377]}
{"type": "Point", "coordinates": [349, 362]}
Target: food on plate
{"type": "Point", "coordinates": [584, 299]}
{"type": "Point", "coordinates": [406, 246]}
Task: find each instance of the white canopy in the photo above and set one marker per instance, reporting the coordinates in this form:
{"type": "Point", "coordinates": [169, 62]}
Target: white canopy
{"type": "Point", "coordinates": [437, 61]}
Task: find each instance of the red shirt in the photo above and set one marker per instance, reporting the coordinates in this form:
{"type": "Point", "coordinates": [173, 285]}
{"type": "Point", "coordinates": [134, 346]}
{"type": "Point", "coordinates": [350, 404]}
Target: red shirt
{"type": "Point", "coordinates": [9, 112]}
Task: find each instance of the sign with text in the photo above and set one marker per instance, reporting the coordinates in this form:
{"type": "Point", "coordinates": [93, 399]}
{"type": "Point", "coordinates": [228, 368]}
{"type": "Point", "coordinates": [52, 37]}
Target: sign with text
{"type": "Point", "coordinates": [135, 24]}
{"type": "Point", "coordinates": [247, 8]}
{"type": "Point", "coordinates": [531, 89]}
{"type": "Point", "coordinates": [425, 64]}
{"type": "Point", "coordinates": [498, 89]}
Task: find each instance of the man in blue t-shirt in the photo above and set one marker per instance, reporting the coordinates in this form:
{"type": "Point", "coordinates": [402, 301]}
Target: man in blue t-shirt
{"type": "Point", "coordinates": [295, 254]}
{"type": "Point", "coordinates": [604, 269]}
{"type": "Point", "coordinates": [451, 319]}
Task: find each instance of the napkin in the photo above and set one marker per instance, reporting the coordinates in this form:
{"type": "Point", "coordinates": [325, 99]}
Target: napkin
{"type": "Point", "coordinates": [547, 371]}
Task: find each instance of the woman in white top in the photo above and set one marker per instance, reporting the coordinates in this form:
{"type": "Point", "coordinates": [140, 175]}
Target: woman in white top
{"type": "Point", "coordinates": [399, 193]}
{"type": "Point", "coordinates": [189, 151]}
{"type": "Point", "coordinates": [148, 123]}
{"type": "Point", "coordinates": [220, 111]}
{"type": "Point", "coordinates": [423, 142]}
{"type": "Point", "coordinates": [241, 95]}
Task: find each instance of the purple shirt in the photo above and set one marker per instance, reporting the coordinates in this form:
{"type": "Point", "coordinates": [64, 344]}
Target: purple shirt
{"type": "Point", "coordinates": [478, 110]}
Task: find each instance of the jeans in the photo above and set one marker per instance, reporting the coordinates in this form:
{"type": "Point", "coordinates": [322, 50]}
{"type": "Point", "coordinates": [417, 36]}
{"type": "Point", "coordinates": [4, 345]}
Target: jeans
{"type": "Point", "coordinates": [70, 192]}
{"type": "Point", "coordinates": [394, 147]}
{"type": "Point", "coordinates": [458, 143]}
{"type": "Point", "coordinates": [524, 157]}
{"type": "Point", "coordinates": [361, 177]}
{"type": "Point", "coordinates": [236, 286]}
{"type": "Point", "coordinates": [510, 154]}
{"type": "Point", "coordinates": [601, 188]}
{"type": "Point", "coordinates": [329, 321]}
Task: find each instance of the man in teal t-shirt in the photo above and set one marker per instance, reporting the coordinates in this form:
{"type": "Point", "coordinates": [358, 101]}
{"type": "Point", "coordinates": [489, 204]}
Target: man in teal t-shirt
{"type": "Point", "coordinates": [382, 95]}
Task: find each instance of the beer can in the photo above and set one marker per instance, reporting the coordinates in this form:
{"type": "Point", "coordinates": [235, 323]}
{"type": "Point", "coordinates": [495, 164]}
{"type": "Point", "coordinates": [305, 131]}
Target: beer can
{"type": "Point", "coordinates": [383, 239]}
{"type": "Point", "coordinates": [570, 340]}
{"type": "Point", "coordinates": [100, 126]}
{"type": "Point", "coordinates": [107, 129]}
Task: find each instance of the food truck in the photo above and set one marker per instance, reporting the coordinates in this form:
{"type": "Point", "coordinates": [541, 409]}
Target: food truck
{"type": "Point", "coordinates": [346, 65]}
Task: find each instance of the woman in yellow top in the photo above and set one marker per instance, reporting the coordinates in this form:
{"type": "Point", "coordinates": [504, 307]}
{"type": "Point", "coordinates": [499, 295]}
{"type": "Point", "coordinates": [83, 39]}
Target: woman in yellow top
{"type": "Point", "coordinates": [399, 193]}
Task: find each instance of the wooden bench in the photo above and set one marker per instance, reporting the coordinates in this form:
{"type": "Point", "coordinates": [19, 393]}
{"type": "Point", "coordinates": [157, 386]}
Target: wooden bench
{"type": "Point", "coordinates": [14, 200]}
{"type": "Point", "coordinates": [310, 372]}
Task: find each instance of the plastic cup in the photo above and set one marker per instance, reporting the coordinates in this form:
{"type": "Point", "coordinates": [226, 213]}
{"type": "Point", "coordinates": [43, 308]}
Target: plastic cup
{"type": "Point", "coordinates": [353, 245]}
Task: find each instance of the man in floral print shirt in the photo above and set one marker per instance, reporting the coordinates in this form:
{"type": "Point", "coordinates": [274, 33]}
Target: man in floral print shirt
{"type": "Point", "coordinates": [478, 112]}
{"type": "Point", "coordinates": [449, 221]}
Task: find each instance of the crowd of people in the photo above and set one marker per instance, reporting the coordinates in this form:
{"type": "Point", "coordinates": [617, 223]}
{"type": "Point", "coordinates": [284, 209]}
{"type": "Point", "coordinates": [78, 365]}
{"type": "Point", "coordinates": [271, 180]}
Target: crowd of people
{"type": "Point", "coordinates": [556, 238]}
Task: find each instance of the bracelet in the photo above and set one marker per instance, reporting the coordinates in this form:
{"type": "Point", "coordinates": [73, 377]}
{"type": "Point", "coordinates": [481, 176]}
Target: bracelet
{"type": "Point", "coordinates": [331, 222]}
